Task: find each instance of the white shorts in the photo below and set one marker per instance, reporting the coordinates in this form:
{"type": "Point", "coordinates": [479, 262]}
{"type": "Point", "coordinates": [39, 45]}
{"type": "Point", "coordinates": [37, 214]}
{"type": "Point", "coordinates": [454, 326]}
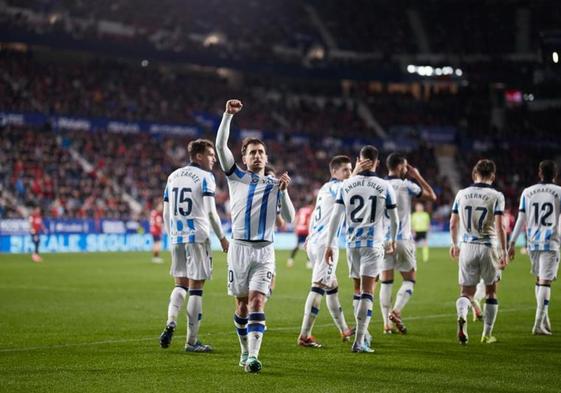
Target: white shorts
{"type": "Point", "coordinates": [323, 274]}
{"type": "Point", "coordinates": [250, 268]}
{"type": "Point", "coordinates": [191, 260]}
{"type": "Point", "coordinates": [404, 259]}
{"type": "Point", "coordinates": [545, 264]}
{"type": "Point", "coordinates": [365, 261]}
{"type": "Point", "coordinates": [478, 261]}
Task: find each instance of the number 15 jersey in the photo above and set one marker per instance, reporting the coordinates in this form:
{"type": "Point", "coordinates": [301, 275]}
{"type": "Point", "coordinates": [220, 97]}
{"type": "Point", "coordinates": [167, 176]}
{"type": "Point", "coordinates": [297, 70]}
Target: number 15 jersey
{"type": "Point", "coordinates": [477, 206]}
{"type": "Point", "coordinates": [188, 217]}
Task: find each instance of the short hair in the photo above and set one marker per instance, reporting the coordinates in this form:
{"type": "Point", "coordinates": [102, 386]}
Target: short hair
{"type": "Point", "coordinates": [369, 152]}
{"type": "Point", "coordinates": [394, 160]}
{"type": "Point", "coordinates": [198, 146]}
{"type": "Point", "coordinates": [484, 168]}
{"type": "Point", "coordinates": [251, 141]}
{"type": "Point", "coordinates": [548, 170]}
{"type": "Point", "coordinates": [337, 161]}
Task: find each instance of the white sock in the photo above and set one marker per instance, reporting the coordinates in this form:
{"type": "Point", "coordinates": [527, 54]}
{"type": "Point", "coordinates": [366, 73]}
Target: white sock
{"type": "Point", "coordinates": [386, 300]}
{"type": "Point", "coordinates": [479, 292]}
{"type": "Point", "coordinates": [176, 300]}
{"type": "Point", "coordinates": [363, 316]}
{"type": "Point", "coordinates": [334, 307]}
{"type": "Point", "coordinates": [544, 293]}
{"type": "Point", "coordinates": [241, 327]}
{"type": "Point", "coordinates": [462, 307]}
{"type": "Point", "coordinates": [356, 300]}
{"type": "Point", "coordinates": [194, 314]}
{"type": "Point", "coordinates": [255, 330]}
{"type": "Point", "coordinates": [490, 316]}
{"type": "Point", "coordinates": [403, 295]}
{"type": "Point", "coordinates": [311, 310]}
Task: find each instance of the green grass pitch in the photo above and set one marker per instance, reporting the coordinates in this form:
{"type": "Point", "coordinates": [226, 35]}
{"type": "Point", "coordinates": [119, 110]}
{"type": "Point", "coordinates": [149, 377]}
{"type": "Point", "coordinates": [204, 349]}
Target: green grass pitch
{"type": "Point", "coordinates": [90, 323]}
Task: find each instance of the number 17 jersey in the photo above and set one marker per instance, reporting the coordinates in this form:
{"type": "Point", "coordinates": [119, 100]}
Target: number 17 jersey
{"type": "Point", "coordinates": [477, 206]}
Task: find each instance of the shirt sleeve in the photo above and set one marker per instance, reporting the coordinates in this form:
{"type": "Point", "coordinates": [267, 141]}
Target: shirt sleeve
{"type": "Point", "coordinates": [522, 206]}
{"type": "Point", "coordinates": [455, 206]}
{"type": "Point", "coordinates": [235, 173]}
{"type": "Point", "coordinates": [500, 205]}
{"type": "Point", "coordinates": [209, 185]}
{"type": "Point", "coordinates": [339, 198]}
{"type": "Point", "coordinates": [390, 197]}
{"type": "Point", "coordinates": [414, 189]}
{"type": "Point", "coordinates": [166, 196]}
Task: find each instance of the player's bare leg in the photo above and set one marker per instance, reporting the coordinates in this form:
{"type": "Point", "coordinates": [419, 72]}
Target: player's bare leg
{"type": "Point", "coordinates": [403, 295]}
{"type": "Point", "coordinates": [156, 248]}
{"type": "Point", "coordinates": [542, 326]}
{"type": "Point", "coordinates": [176, 299]}
{"type": "Point", "coordinates": [490, 313]}
{"type": "Point", "coordinates": [462, 307]}
{"type": "Point", "coordinates": [386, 285]}
{"type": "Point", "coordinates": [194, 316]}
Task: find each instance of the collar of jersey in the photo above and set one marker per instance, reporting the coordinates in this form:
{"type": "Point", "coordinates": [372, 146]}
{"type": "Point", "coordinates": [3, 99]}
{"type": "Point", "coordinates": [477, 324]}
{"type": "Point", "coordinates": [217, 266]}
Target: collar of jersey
{"type": "Point", "coordinates": [482, 185]}
{"type": "Point", "coordinates": [195, 165]}
{"type": "Point", "coordinates": [367, 173]}
{"type": "Point", "coordinates": [393, 177]}
{"type": "Point", "coordinates": [334, 180]}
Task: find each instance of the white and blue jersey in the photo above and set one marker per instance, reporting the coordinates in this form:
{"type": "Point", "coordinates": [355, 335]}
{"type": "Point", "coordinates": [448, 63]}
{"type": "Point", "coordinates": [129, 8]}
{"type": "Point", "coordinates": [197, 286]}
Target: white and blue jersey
{"type": "Point", "coordinates": [319, 224]}
{"type": "Point", "coordinates": [254, 202]}
{"type": "Point", "coordinates": [185, 189]}
{"type": "Point", "coordinates": [405, 190]}
{"type": "Point", "coordinates": [477, 206]}
{"type": "Point", "coordinates": [542, 205]}
{"type": "Point", "coordinates": [365, 197]}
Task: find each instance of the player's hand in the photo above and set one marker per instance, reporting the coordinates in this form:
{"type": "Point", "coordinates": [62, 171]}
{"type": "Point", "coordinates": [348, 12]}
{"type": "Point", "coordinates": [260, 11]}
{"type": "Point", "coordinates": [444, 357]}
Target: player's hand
{"type": "Point", "coordinates": [284, 181]}
{"type": "Point", "coordinates": [511, 251]}
{"type": "Point", "coordinates": [413, 172]}
{"type": "Point", "coordinates": [328, 256]}
{"type": "Point", "coordinates": [233, 106]}
{"type": "Point", "coordinates": [503, 260]}
{"type": "Point", "coordinates": [225, 244]}
{"type": "Point", "coordinates": [454, 252]}
{"type": "Point", "coordinates": [361, 166]}
{"type": "Point", "coordinates": [390, 247]}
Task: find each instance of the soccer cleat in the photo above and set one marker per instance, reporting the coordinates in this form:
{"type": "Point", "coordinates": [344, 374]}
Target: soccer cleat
{"type": "Point", "coordinates": [252, 365]}
{"type": "Point", "coordinates": [198, 347]}
{"type": "Point", "coordinates": [361, 348]}
{"type": "Point", "coordinates": [546, 323]}
{"type": "Point", "coordinates": [157, 260]}
{"type": "Point", "coordinates": [243, 359]}
{"type": "Point", "coordinates": [396, 319]}
{"type": "Point", "coordinates": [476, 309]}
{"type": "Point", "coordinates": [36, 258]}
{"type": "Point", "coordinates": [166, 336]}
{"type": "Point", "coordinates": [347, 334]}
{"type": "Point", "coordinates": [290, 262]}
{"type": "Point", "coordinates": [462, 331]}
{"type": "Point", "coordinates": [367, 339]}
{"type": "Point", "coordinates": [488, 339]}
{"type": "Point", "coordinates": [308, 342]}
{"type": "Point", "coordinates": [309, 265]}
{"type": "Point", "coordinates": [540, 331]}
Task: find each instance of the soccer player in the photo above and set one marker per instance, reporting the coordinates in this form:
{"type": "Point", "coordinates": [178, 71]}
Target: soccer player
{"type": "Point", "coordinates": [323, 275]}
{"type": "Point", "coordinates": [420, 222]}
{"type": "Point", "coordinates": [156, 223]}
{"type": "Point", "coordinates": [36, 227]}
{"type": "Point", "coordinates": [477, 219]}
{"type": "Point", "coordinates": [540, 207]}
{"type": "Point", "coordinates": [404, 259]}
{"type": "Point", "coordinates": [302, 228]}
{"type": "Point", "coordinates": [189, 211]}
{"type": "Point", "coordinates": [362, 199]}
{"type": "Point", "coordinates": [251, 259]}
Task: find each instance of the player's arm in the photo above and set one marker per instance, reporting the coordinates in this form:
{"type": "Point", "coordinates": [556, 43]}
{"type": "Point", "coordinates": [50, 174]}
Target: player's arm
{"type": "Point", "coordinates": [391, 208]}
{"type": "Point", "coordinates": [210, 206]}
{"type": "Point", "coordinates": [225, 155]}
{"type": "Point", "coordinates": [427, 193]}
{"type": "Point", "coordinates": [334, 223]}
{"type": "Point", "coordinates": [279, 221]}
{"type": "Point", "coordinates": [501, 234]}
{"type": "Point", "coordinates": [518, 227]}
{"type": "Point", "coordinates": [361, 166]}
{"type": "Point", "coordinates": [165, 212]}
{"type": "Point", "coordinates": [454, 226]}
{"type": "Point", "coordinates": [287, 211]}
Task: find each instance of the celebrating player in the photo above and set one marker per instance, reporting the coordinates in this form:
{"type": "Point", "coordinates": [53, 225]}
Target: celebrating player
{"type": "Point", "coordinates": [540, 207]}
{"type": "Point", "coordinates": [303, 216]}
{"type": "Point", "coordinates": [404, 259]}
{"type": "Point", "coordinates": [251, 260]}
{"type": "Point", "coordinates": [323, 275]}
{"type": "Point", "coordinates": [477, 218]}
{"type": "Point", "coordinates": [363, 200]}
{"type": "Point", "coordinates": [36, 227]}
{"type": "Point", "coordinates": [156, 222]}
{"type": "Point", "coordinates": [189, 207]}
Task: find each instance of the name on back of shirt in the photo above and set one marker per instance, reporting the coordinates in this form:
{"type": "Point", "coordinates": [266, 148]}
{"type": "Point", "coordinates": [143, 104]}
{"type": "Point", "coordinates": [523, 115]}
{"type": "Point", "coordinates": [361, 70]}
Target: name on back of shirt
{"type": "Point", "coordinates": [364, 183]}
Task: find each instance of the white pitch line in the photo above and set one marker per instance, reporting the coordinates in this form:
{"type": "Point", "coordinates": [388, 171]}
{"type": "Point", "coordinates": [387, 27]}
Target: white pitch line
{"type": "Point", "coordinates": [275, 329]}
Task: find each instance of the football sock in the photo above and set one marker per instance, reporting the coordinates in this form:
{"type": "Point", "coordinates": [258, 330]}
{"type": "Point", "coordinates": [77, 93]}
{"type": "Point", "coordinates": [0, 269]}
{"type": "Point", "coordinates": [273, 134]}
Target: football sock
{"type": "Point", "coordinates": [255, 330]}
{"type": "Point", "coordinates": [356, 300]}
{"type": "Point", "coordinates": [490, 316]}
{"type": "Point", "coordinates": [176, 300]}
{"type": "Point", "coordinates": [335, 309]}
{"type": "Point", "coordinates": [462, 306]}
{"type": "Point", "coordinates": [479, 292]}
{"type": "Point", "coordinates": [404, 294]}
{"type": "Point", "coordinates": [194, 314]}
{"type": "Point", "coordinates": [386, 300]}
{"type": "Point", "coordinates": [241, 327]}
{"type": "Point", "coordinates": [311, 310]}
{"type": "Point", "coordinates": [544, 293]}
{"type": "Point", "coordinates": [363, 316]}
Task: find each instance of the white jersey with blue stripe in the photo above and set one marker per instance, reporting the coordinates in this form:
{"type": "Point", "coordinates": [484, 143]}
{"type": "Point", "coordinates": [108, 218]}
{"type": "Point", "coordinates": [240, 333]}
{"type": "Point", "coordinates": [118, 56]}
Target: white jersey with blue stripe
{"type": "Point", "coordinates": [477, 206]}
{"type": "Point", "coordinates": [366, 198]}
{"type": "Point", "coordinates": [254, 202]}
{"type": "Point", "coordinates": [542, 205]}
{"type": "Point", "coordinates": [185, 189]}
{"type": "Point", "coordinates": [322, 213]}
{"type": "Point", "coordinates": [405, 190]}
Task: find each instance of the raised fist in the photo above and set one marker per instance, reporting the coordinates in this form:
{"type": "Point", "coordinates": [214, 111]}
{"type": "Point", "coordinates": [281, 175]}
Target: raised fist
{"type": "Point", "coordinates": [233, 106]}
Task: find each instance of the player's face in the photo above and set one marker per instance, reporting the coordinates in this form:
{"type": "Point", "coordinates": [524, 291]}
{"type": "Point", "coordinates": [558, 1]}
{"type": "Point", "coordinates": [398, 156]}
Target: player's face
{"type": "Point", "coordinates": [208, 159]}
{"type": "Point", "coordinates": [402, 169]}
{"type": "Point", "coordinates": [419, 207]}
{"type": "Point", "coordinates": [255, 157]}
{"type": "Point", "coordinates": [343, 172]}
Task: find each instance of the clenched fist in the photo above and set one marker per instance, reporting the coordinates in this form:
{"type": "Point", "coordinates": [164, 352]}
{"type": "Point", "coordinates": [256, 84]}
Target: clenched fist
{"type": "Point", "coordinates": [233, 106]}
